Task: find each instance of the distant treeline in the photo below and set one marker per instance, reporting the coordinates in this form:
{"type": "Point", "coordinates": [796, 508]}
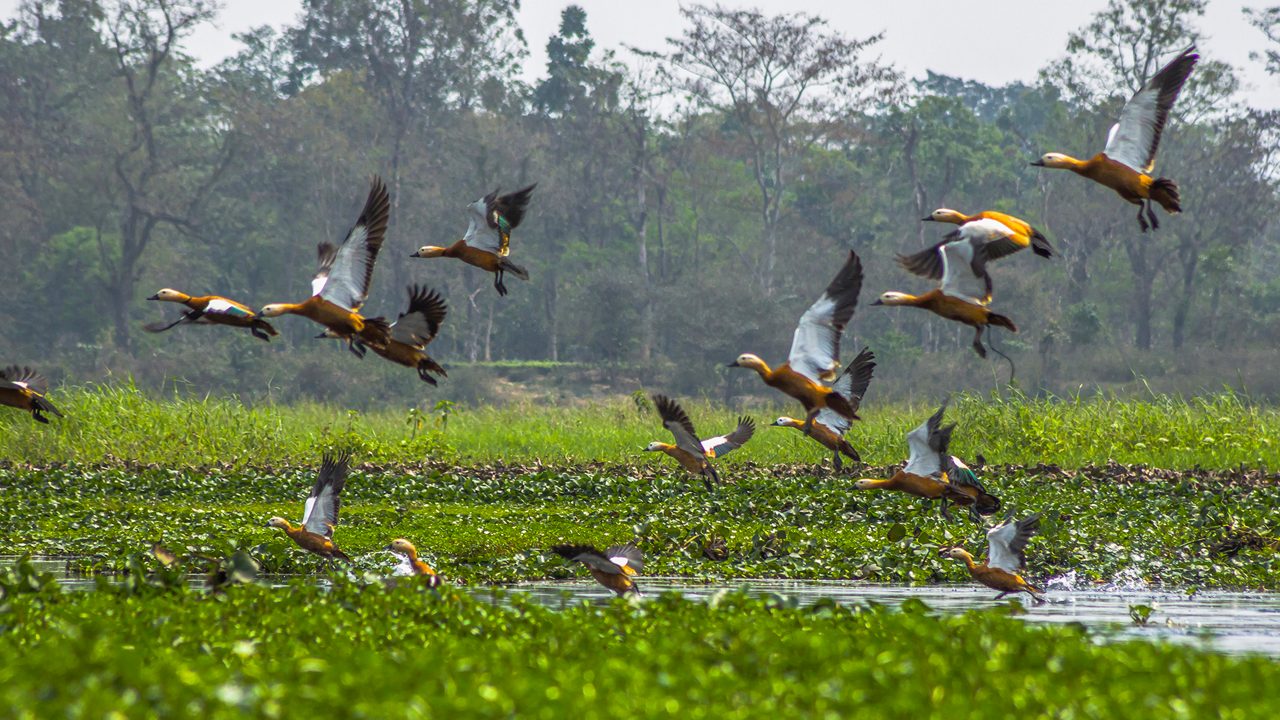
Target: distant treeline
{"type": "Point", "coordinates": [691, 200]}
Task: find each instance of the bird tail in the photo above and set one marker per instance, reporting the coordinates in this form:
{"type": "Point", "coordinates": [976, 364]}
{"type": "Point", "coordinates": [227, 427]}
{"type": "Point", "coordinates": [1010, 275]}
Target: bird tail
{"type": "Point", "coordinates": [39, 404]}
{"type": "Point", "coordinates": [1040, 244]}
{"type": "Point", "coordinates": [986, 504]}
{"type": "Point", "coordinates": [841, 404]}
{"type": "Point", "coordinates": [710, 477]}
{"type": "Point", "coordinates": [849, 450]}
{"type": "Point", "coordinates": [1165, 192]}
{"type": "Point", "coordinates": [426, 366]}
{"type": "Point", "coordinates": [1001, 321]}
{"type": "Point", "coordinates": [339, 555]}
{"type": "Point", "coordinates": [507, 266]}
{"type": "Point", "coordinates": [265, 327]}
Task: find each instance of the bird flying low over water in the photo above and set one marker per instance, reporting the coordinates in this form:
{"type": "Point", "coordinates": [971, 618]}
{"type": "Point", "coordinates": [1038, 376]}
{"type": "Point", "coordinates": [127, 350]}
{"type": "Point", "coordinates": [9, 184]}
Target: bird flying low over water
{"type": "Point", "coordinates": [1006, 558]}
{"type": "Point", "coordinates": [815, 348]}
{"type": "Point", "coordinates": [693, 454]}
{"type": "Point", "coordinates": [410, 334]}
{"type": "Point", "coordinates": [963, 292]}
{"type": "Point", "coordinates": [25, 389]}
{"type": "Point", "coordinates": [342, 284]}
{"type": "Point", "coordinates": [488, 239]}
{"type": "Point", "coordinates": [1126, 163]}
{"type": "Point", "coordinates": [212, 310]}
{"type": "Point", "coordinates": [998, 233]}
{"type": "Point", "coordinates": [829, 427]}
{"type": "Point", "coordinates": [615, 568]}
{"type": "Point", "coordinates": [409, 562]}
{"type": "Point", "coordinates": [320, 514]}
{"type": "Point", "coordinates": [932, 473]}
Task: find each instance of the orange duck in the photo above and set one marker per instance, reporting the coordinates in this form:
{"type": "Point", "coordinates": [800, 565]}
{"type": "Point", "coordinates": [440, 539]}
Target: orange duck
{"type": "Point", "coordinates": [1005, 558]}
{"type": "Point", "coordinates": [342, 284]}
{"type": "Point", "coordinates": [410, 334]}
{"type": "Point", "coordinates": [999, 233]}
{"type": "Point", "coordinates": [488, 238]}
{"type": "Point", "coordinates": [615, 568]}
{"type": "Point", "coordinates": [24, 388]}
{"type": "Point", "coordinates": [815, 349]}
{"type": "Point", "coordinates": [409, 562]}
{"type": "Point", "coordinates": [693, 454]}
{"type": "Point", "coordinates": [964, 289]}
{"type": "Point", "coordinates": [320, 515]}
{"type": "Point", "coordinates": [1126, 163]}
{"type": "Point", "coordinates": [212, 310]}
{"type": "Point", "coordinates": [829, 427]}
{"type": "Point", "coordinates": [933, 474]}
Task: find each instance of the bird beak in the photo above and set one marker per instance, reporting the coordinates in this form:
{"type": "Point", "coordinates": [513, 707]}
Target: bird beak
{"type": "Point", "coordinates": [1038, 163]}
{"type": "Point", "coordinates": [321, 336]}
{"type": "Point", "coordinates": [733, 364]}
{"type": "Point", "coordinates": [388, 548]}
{"type": "Point", "coordinates": [927, 219]}
{"type": "Point", "coordinates": [154, 297]}
{"type": "Point", "coordinates": [878, 302]}
{"type": "Point", "coordinates": [415, 254]}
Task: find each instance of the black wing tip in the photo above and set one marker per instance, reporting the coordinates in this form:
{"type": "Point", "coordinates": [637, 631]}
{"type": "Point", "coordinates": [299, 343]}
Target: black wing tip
{"type": "Point", "coordinates": [426, 300]}
{"type": "Point", "coordinates": [572, 551]}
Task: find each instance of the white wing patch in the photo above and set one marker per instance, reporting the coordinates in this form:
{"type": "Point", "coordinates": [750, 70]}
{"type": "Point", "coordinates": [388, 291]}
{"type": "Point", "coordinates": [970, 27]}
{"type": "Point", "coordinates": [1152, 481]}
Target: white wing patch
{"type": "Point", "coordinates": [986, 230]}
{"type": "Point", "coordinates": [812, 342]}
{"type": "Point", "coordinates": [1130, 140]}
{"type": "Point", "coordinates": [999, 554]}
{"type": "Point", "coordinates": [226, 307]}
{"type": "Point", "coordinates": [345, 285]}
{"type": "Point", "coordinates": [923, 461]}
{"type": "Point", "coordinates": [958, 279]}
{"type": "Point", "coordinates": [620, 561]}
{"type": "Point", "coordinates": [480, 236]}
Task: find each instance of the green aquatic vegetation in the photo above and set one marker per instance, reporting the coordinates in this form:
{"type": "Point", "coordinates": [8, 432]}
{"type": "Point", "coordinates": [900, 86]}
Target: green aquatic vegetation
{"type": "Point", "coordinates": [495, 524]}
{"type": "Point", "coordinates": [407, 651]}
{"type": "Point", "coordinates": [121, 425]}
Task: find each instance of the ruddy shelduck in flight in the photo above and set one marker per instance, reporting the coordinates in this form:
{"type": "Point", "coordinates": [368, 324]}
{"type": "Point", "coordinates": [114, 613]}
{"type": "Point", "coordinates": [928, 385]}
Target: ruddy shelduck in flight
{"type": "Point", "coordinates": [829, 427]}
{"type": "Point", "coordinates": [341, 286]}
{"type": "Point", "coordinates": [615, 568]}
{"type": "Point", "coordinates": [693, 454]}
{"type": "Point", "coordinates": [211, 310]}
{"type": "Point", "coordinates": [998, 233]}
{"type": "Point", "coordinates": [320, 514]}
{"type": "Point", "coordinates": [410, 334]}
{"type": "Point", "coordinates": [1006, 558]}
{"type": "Point", "coordinates": [1126, 163]}
{"type": "Point", "coordinates": [410, 563]}
{"type": "Point", "coordinates": [815, 349]}
{"type": "Point", "coordinates": [25, 389]}
{"type": "Point", "coordinates": [487, 241]}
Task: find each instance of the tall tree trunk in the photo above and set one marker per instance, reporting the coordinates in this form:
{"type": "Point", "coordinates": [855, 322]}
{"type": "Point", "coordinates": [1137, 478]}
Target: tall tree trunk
{"type": "Point", "coordinates": [1190, 257]}
{"type": "Point", "coordinates": [553, 324]}
{"type": "Point", "coordinates": [1143, 281]}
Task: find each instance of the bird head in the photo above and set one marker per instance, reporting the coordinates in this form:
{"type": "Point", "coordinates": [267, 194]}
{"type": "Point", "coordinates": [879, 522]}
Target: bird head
{"type": "Point", "coordinates": [944, 215]}
{"type": "Point", "coordinates": [400, 546]}
{"type": "Point", "coordinates": [169, 295]}
{"type": "Point", "coordinates": [863, 484]}
{"type": "Point", "coordinates": [785, 421]}
{"type": "Point", "coordinates": [278, 522]}
{"type": "Point", "coordinates": [1053, 160]}
{"type": "Point", "coordinates": [654, 446]}
{"type": "Point", "coordinates": [747, 360]}
{"type": "Point", "coordinates": [892, 298]}
{"type": "Point", "coordinates": [428, 251]}
{"type": "Point", "coordinates": [954, 553]}
{"type": "Point", "coordinates": [272, 310]}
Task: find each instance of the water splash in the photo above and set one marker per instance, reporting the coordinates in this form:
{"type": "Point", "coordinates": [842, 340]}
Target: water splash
{"type": "Point", "coordinates": [1127, 580]}
{"type": "Point", "coordinates": [1065, 582]}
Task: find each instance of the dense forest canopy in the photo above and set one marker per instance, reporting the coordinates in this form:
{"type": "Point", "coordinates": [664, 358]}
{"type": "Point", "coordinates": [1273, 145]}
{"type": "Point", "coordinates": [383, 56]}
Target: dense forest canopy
{"type": "Point", "coordinates": [692, 199]}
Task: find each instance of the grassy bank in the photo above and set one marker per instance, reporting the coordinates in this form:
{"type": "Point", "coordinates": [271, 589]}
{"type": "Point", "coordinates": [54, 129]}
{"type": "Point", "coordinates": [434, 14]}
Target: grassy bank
{"type": "Point", "coordinates": [411, 652]}
{"type": "Point", "coordinates": [114, 425]}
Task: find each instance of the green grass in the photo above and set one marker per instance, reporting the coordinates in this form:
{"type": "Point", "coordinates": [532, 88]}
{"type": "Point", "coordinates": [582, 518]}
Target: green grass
{"type": "Point", "coordinates": [123, 425]}
{"type": "Point", "coordinates": [368, 651]}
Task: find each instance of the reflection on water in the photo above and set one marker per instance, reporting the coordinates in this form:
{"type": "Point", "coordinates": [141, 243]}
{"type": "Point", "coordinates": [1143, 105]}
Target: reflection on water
{"type": "Point", "coordinates": [1225, 621]}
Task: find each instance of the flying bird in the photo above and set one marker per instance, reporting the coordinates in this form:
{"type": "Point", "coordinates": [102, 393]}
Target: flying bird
{"type": "Point", "coordinates": [615, 568]}
{"type": "Point", "coordinates": [1125, 165]}
{"type": "Point", "coordinates": [341, 286]}
{"type": "Point", "coordinates": [320, 514]}
{"type": "Point", "coordinates": [211, 310]}
{"type": "Point", "coordinates": [410, 334]}
{"type": "Point", "coordinates": [410, 564]}
{"type": "Point", "coordinates": [829, 427]}
{"type": "Point", "coordinates": [693, 454]}
{"type": "Point", "coordinates": [815, 349]}
{"type": "Point", "coordinates": [487, 241]}
{"type": "Point", "coordinates": [1006, 558]}
{"type": "Point", "coordinates": [25, 389]}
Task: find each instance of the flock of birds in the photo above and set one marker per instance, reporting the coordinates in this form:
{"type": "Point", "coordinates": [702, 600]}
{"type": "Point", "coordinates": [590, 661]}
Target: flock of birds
{"type": "Point", "coordinates": [811, 374]}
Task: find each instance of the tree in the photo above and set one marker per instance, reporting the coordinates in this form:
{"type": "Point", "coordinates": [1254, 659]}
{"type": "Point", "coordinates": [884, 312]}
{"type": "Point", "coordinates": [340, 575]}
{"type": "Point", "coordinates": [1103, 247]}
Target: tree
{"type": "Point", "coordinates": [784, 83]}
{"type": "Point", "coordinates": [1268, 21]}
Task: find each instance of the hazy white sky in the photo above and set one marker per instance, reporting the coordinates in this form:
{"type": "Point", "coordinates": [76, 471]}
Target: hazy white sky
{"type": "Point", "coordinates": [993, 41]}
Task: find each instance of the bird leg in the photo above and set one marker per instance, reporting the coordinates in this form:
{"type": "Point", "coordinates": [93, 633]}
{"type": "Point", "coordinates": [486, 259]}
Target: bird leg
{"type": "Point", "coordinates": [498, 284]}
{"type": "Point", "coordinates": [708, 474]}
{"type": "Point", "coordinates": [1001, 595]}
{"type": "Point", "coordinates": [356, 347]}
{"type": "Point", "coordinates": [258, 333]}
{"type": "Point", "coordinates": [808, 421]}
{"type": "Point", "coordinates": [1142, 222]}
{"type": "Point", "coordinates": [977, 343]}
{"type": "Point", "coordinates": [837, 462]}
{"type": "Point", "coordinates": [422, 373]}
{"type": "Point", "coordinates": [945, 512]}
{"type": "Point", "coordinates": [1151, 215]}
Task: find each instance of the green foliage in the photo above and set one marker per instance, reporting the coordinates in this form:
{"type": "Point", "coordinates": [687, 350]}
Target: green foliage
{"type": "Point", "coordinates": [409, 651]}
